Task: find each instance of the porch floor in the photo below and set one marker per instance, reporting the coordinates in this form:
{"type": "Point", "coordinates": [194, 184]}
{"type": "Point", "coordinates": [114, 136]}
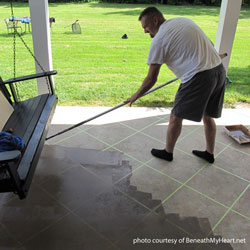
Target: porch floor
{"type": "Point", "coordinates": [98, 187]}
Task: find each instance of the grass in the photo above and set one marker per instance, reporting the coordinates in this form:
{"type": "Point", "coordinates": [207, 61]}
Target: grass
{"type": "Point", "coordinates": [97, 67]}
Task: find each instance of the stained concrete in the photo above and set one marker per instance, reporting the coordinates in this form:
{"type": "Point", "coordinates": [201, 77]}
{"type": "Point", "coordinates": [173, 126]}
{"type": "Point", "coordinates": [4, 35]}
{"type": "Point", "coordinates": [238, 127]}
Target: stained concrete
{"type": "Point", "coordinates": [98, 187]}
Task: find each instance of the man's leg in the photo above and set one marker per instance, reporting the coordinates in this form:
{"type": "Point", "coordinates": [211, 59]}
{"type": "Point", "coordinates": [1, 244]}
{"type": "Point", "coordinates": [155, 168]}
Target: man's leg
{"type": "Point", "coordinates": [210, 133]}
{"type": "Point", "coordinates": [173, 132]}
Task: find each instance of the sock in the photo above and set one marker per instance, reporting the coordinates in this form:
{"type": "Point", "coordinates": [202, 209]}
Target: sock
{"type": "Point", "coordinates": [204, 155]}
{"type": "Point", "coordinates": [162, 154]}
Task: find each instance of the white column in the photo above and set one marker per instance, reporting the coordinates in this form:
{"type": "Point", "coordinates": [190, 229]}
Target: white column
{"type": "Point", "coordinates": [229, 15]}
{"type": "Point", "coordinates": [5, 110]}
{"type": "Point", "coordinates": [39, 14]}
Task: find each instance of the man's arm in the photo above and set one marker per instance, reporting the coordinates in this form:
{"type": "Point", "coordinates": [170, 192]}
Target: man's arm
{"type": "Point", "coordinates": [147, 84]}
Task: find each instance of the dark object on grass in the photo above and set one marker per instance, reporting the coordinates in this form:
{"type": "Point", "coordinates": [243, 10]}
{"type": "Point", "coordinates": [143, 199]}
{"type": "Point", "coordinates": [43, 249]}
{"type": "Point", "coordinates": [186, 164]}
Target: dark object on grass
{"type": "Point", "coordinates": [51, 20]}
{"type": "Point", "coordinates": [125, 36]}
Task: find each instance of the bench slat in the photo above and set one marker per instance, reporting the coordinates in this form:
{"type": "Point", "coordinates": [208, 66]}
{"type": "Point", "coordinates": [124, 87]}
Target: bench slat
{"type": "Point", "coordinates": [26, 112]}
{"type": "Point", "coordinates": [36, 138]}
{"type": "Point", "coordinates": [34, 116]}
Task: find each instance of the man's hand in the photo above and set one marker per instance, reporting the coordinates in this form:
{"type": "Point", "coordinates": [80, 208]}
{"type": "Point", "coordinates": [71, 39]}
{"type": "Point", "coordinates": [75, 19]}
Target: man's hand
{"type": "Point", "coordinates": [132, 99]}
{"type": "Point", "coordinates": [147, 84]}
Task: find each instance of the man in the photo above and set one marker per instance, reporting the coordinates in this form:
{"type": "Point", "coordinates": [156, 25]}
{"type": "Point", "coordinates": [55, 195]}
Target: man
{"type": "Point", "coordinates": [185, 49]}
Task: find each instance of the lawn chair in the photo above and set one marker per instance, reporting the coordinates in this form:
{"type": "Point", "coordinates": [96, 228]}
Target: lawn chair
{"type": "Point", "coordinates": [11, 24]}
{"type": "Point", "coordinates": [26, 21]}
{"type": "Point", "coordinates": [76, 28]}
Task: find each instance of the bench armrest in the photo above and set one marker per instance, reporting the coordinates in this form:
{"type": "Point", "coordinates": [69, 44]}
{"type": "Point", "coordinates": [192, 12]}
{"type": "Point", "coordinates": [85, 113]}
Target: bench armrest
{"type": "Point", "coordinates": [9, 156]}
{"type": "Point", "coordinates": [29, 77]}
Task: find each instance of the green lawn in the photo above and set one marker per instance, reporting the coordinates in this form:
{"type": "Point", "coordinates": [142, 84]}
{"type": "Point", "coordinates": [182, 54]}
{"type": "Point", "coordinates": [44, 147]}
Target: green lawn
{"type": "Point", "coordinates": [97, 67]}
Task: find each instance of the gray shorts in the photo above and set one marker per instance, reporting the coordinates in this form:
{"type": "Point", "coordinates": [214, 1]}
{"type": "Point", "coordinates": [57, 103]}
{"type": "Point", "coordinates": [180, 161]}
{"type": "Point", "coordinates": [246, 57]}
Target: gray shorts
{"type": "Point", "coordinates": [202, 95]}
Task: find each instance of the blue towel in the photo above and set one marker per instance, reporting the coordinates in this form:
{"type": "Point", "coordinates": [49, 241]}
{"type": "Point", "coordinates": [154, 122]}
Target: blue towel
{"type": "Point", "coordinates": [10, 142]}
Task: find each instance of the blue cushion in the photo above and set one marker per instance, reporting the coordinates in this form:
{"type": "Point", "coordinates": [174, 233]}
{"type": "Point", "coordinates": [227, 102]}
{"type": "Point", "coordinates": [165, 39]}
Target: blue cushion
{"type": "Point", "coordinates": [25, 20]}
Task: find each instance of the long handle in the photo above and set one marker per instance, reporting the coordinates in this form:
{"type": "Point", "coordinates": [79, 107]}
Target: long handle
{"type": "Point", "coordinates": [109, 110]}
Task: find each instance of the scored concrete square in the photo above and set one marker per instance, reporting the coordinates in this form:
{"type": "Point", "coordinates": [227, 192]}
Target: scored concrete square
{"type": "Point", "coordinates": [110, 133]}
{"type": "Point", "coordinates": [68, 233]}
{"type": "Point", "coordinates": [112, 213]}
{"type": "Point", "coordinates": [147, 186]}
{"type": "Point", "coordinates": [234, 226]}
{"type": "Point", "coordinates": [74, 187]}
{"type": "Point", "coordinates": [25, 218]}
{"type": "Point", "coordinates": [83, 140]}
{"type": "Point", "coordinates": [235, 162]}
{"type": "Point", "coordinates": [189, 205]}
{"type": "Point", "coordinates": [181, 168]}
{"type": "Point", "coordinates": [242, 206]}
{"type": "Point", "coordinates": [218, 185]}
{"type": "Point", "coordinates": [139, 146]}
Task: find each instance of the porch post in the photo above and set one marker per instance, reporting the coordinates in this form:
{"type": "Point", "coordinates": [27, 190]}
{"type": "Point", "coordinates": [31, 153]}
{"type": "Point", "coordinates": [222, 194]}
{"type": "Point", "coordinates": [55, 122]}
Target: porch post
{"type": "Point", "coordinates": [229, 15]}
{"type": "Point", "coordinates": [39, 14]}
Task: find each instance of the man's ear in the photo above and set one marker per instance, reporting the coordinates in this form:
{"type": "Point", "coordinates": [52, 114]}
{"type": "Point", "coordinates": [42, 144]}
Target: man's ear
{"type": "Point", "coordinates": [155, 20]}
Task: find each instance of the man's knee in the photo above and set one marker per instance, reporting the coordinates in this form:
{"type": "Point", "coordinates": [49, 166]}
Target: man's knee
{"type": "Point", "coordinates": [207, 120]}
{"type": "Point", "coordinates": [175, 119]}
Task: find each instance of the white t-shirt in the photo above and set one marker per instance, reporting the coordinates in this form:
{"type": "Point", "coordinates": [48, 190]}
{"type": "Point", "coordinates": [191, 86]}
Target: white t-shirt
{"type": "Point", "coordinates": [184, 48]}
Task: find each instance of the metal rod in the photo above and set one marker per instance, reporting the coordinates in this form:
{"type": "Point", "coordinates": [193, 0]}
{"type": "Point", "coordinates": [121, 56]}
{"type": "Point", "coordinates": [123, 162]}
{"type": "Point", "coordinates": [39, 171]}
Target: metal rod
{"type": "Point", "coordinates": [109, 110]}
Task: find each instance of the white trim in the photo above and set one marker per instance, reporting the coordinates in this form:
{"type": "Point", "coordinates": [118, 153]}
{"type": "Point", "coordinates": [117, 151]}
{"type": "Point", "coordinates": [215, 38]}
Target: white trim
{"type": "Point", "coordinates": [39, 13]}
{"type": "Point", "coordinates": [229, 15]}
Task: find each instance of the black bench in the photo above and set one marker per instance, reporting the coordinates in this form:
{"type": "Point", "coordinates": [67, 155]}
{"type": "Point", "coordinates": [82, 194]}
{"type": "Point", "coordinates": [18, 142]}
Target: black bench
{"type": "Point", "coordinates": [30, 120]}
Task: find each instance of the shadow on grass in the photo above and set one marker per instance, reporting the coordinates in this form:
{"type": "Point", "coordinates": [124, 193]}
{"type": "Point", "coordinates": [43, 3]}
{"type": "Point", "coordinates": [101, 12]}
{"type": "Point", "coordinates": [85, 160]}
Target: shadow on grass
{"type": "Point", "coordinates": [135, 9]}
{"type": "Point", "coordinates": [11, 35]}
{"type": "Point", "coordinates": [154, 103]}
{"type": "Point", "coordinates": [6, 4]}
{"type": "Point", "coordinates": [185, 10]}
{"type": "Point", "coordinates": [72, 33]}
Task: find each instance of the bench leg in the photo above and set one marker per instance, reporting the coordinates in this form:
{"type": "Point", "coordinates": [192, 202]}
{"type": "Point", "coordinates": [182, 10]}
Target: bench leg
{"type": "Point", "coordinates": [16, 180]}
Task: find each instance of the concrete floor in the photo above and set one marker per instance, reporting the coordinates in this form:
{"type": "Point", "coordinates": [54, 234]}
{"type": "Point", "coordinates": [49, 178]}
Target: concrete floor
{"type": "Point", "coordinates": [98, 187]}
